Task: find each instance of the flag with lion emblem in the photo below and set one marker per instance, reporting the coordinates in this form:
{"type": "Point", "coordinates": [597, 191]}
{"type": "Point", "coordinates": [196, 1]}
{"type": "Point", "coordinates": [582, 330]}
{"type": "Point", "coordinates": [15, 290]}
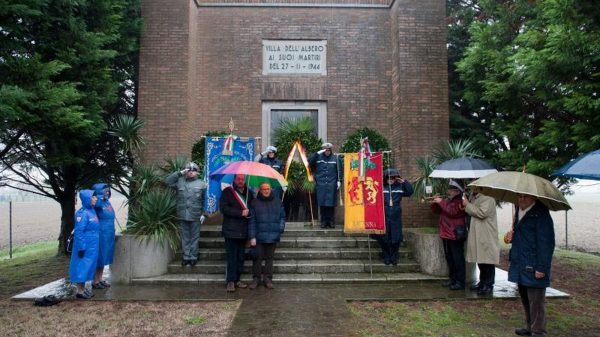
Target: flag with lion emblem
{"type": "Point", "coordinates": [363, 194]}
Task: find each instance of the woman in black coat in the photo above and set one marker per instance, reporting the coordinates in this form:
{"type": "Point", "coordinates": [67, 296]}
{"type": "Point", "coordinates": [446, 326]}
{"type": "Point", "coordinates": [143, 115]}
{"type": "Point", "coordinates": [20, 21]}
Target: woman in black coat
{"type": "Point", "coordinates": [267, 223]}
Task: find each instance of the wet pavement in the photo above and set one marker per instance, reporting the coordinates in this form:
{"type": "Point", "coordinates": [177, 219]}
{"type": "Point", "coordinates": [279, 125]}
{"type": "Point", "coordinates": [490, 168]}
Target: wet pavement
{"type": "Point", "coordinates": [291, 309]}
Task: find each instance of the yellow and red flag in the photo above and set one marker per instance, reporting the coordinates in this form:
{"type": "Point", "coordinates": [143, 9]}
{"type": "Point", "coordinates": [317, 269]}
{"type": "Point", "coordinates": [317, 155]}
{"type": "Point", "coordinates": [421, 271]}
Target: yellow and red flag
{"type": "Point", "coordinates": [363, 198]}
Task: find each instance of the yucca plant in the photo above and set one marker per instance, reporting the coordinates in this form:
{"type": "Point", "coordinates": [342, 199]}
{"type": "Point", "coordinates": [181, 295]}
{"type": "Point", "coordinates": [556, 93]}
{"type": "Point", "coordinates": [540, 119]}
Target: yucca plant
{"type": "Point", "coordinates": [446, 150]}
{"type": "Point", "coordinates": [174, 164]}
{"type": "Point", "coordinates": [154, 217]}
{"type": "Point", "coordinates": [426, 165]}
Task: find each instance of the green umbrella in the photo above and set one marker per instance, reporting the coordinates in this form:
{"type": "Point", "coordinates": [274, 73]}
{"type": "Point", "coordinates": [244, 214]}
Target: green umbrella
{"type": "Point", "coordinates": [507, 185]}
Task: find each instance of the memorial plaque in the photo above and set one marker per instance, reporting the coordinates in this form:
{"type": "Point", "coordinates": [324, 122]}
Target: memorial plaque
{"type": "Point", "coordinates": [297, 57]}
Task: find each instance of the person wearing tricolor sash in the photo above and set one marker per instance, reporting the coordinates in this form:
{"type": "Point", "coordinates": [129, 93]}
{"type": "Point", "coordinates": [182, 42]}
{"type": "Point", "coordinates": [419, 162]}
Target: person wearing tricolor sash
{"type": "Point", "coordinates": [233, 204]}
{"type": "Point", "coordinates": [325, 166]}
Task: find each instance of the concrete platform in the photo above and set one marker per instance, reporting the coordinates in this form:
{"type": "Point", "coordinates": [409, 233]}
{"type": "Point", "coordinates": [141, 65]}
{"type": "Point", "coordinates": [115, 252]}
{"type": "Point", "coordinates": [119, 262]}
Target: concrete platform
{"type": "Point", "coordinates": [398, 287]}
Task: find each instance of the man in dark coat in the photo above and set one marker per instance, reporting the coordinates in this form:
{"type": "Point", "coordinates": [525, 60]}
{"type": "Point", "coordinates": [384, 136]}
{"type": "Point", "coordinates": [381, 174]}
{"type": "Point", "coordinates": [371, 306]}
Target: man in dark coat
{"type": "Point", "coordinates": [530, 261]}
{"type": "Point", "coordinates": [269, 157]}
{"type": "Point", "coordinates": [267, 223]}
{"type": "Point", "coordinates": [325, 167]}
{"type": "Point", "coordinates": [452, 215]}
{"type": "Point", "coordinates": [394, 189]}
{"type": "Point", "coordinates": [233, 205]}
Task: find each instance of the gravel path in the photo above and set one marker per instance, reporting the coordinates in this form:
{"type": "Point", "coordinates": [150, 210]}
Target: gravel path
{"type": "Point", "coordinates": [40, 221]}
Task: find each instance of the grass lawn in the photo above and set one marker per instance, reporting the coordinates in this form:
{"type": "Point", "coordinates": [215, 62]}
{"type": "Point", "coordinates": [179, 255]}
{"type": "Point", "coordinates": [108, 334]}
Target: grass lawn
{"type": "Point", "coordinates": [37, 264]}
{"type": "Point", "coordinates": [573, 272]}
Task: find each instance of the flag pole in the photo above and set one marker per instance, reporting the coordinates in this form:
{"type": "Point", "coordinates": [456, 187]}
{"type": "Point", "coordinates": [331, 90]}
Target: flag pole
{"type": "Point", "coordinates": [370, 260]}
{"type": "Point", "coordinates": [312, 218]}
{"type": "Point", "coordinates": [337, 160]}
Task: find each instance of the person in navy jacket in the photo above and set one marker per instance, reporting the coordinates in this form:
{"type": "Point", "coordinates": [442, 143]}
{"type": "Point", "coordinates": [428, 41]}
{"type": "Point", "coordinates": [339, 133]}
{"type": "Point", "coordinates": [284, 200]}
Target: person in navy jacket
{"type": "Point", "coordinates": [85, 248]}
{"type": "Point", "coordinates": [106, 248]}
{"type": "Point", "coordinates": [325, 166]}
{"type": "Point", "coordinates": [269, 157]}
{"type": "Point", "coordinates": [531, 253]}
{"type": "Point", "coordinates": [394, 189]}
{"type": "Point", "coordinates": [267, 223]}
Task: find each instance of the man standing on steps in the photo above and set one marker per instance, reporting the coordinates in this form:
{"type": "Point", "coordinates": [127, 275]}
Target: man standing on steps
{"type": "Point", "coordinates": [234, 206]}
{"type": "Point", "coordinates": [267, 223]}
{"type": "Point", "coordinates": [190, 203]}
{"type": "Point", "coordinates": [325, 166]}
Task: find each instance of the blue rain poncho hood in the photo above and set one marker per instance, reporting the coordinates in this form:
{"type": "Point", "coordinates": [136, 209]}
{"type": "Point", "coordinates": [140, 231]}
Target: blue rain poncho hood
{"type": "Point", "coordinates": [99, 188]}
{"type": "Point", "coordinates": [86, 198]}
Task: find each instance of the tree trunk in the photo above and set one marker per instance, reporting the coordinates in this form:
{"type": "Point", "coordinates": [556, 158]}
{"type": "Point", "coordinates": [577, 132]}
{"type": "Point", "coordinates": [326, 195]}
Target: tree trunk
{"type": "Point", "coordinates": [67, 218]}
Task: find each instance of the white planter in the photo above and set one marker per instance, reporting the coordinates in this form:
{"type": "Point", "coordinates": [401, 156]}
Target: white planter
{"type": "Point", "coordinates": [428, 250]}
{"type": "Point", "coordinates": [138, 257]}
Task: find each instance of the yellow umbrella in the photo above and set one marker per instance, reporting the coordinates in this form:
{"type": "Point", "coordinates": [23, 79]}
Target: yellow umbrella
{"type": "Point", "coordinates": [507, 185]}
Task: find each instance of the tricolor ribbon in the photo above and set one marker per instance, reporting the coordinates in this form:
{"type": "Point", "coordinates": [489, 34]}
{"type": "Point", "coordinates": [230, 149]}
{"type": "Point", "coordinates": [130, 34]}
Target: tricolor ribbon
{"type": "Point", "coordinates": [363, 155]}
{"type": "Point", "coordinates": [239, 198]}
{"type": "Point", "coordinates": [298, 147]}
{"type": "Point", "coordinates": [228, 145]}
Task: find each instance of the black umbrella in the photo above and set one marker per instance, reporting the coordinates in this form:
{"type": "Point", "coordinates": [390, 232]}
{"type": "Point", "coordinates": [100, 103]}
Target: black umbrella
{"type": "Point", "coordinates": [463, 168]}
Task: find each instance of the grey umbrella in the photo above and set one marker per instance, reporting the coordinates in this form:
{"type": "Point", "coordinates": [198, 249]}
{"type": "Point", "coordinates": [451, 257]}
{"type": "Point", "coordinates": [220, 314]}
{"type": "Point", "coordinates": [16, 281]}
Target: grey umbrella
{"type": "Point", "coordinates": [463, 168]}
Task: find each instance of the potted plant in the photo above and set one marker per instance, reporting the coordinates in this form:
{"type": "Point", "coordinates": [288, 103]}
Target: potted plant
{"type": "Point", "coordinates": [147, 244]}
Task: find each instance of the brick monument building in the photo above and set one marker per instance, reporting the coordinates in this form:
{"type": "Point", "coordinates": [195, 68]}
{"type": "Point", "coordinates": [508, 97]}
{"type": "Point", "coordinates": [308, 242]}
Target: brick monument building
{"type": "Point", "coordinates": [346, 64]}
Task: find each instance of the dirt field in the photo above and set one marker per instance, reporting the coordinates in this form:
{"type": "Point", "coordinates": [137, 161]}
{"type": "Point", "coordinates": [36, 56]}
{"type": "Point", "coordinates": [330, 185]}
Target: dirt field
{"type": "Point", "coordinates": [40, 221]}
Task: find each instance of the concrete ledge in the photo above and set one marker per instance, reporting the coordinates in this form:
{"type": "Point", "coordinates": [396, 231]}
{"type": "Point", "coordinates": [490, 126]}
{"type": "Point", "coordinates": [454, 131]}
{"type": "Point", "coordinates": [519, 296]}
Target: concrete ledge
{"type": "Point", "coordinates": [428, 251]}
{"type": "Point", "coordinates": [138, 257]}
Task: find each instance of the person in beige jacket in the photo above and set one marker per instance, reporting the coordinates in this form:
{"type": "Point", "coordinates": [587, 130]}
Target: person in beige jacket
{"type": "Point", "coordinates": [482, 242]}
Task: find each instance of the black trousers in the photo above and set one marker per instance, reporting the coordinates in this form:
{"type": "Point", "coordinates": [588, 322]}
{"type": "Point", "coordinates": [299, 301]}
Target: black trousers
{"type": "Point", "coordinates": [266, 252]}
{"type": "Point", "coordinates": [327, 215]}
{"type": "Point", "coordinates": [235, 249]}
{"type": "Point", "coordinates": [454, 251]}
{"type": "Point", "coordinates": [487, 274]}
{"type": "Point", "coordinates": [534, 303]}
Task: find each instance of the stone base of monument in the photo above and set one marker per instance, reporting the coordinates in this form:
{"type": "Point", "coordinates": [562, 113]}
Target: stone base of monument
{"type": "Point", "coordinates": [428, 250]}
{"type": "Point", "coordinates": [138, 257]}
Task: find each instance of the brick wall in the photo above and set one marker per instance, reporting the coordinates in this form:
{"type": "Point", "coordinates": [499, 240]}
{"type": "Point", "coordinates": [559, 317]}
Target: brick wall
{"type": "Point", "coordinates": [419, 81]}
{"type": "Point", "coordinates": [386, 69]}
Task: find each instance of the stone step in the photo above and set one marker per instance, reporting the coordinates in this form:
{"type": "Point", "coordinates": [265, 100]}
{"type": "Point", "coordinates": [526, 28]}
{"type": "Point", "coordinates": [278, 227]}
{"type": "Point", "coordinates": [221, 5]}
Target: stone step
{"type": "Point", "coordinates": [302, 267]}
{"type": "Point", "coordinates": [305, 242]}
{"type": "Point", "coordinates": [290, 231]}
{"type": "Point", "coordinates": [293, 278]}
{"type": "Point", "coordinates": [307, 253]}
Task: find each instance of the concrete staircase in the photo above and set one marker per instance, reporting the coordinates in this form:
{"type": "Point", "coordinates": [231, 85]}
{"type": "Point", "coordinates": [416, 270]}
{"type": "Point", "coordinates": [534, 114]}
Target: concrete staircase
{"type": "Point", "coordinates": [304, 255]}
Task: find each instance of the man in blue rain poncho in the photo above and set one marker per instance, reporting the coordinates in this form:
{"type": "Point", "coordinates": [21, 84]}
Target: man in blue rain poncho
{"type": "Point", "coordinates": [85, 248]}
{"type": "Point", "coordinates": [106, 216]}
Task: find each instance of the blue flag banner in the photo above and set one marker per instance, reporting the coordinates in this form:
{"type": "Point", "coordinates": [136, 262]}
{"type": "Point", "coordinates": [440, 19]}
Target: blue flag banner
{"type": "Point", "coordinates": [221, 151]}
